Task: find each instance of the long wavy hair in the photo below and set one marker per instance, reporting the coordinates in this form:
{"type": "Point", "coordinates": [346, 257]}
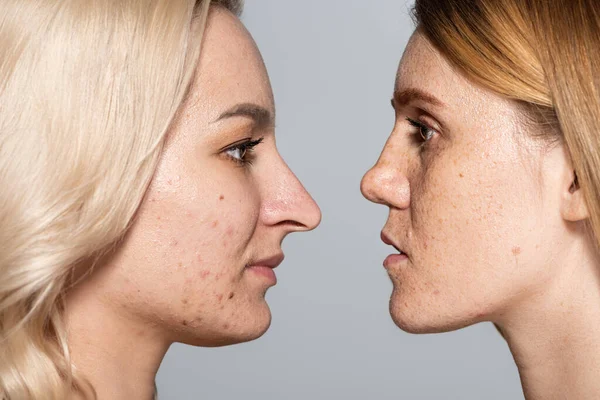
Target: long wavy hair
{"type": "Point", "coordinates": [88, 90]}
{"type": "Point", "coordinates": [542, 54]}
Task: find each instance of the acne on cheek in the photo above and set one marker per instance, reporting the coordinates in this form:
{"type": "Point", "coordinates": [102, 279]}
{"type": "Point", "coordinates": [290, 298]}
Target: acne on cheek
{"type": "Point", "coordinates": [229, 232]}
{"type": "Point", "coordinates": [218, 276]}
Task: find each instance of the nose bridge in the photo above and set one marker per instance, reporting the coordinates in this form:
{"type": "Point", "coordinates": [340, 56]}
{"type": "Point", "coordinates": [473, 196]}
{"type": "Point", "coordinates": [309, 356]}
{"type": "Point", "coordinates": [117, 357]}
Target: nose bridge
{"type": "Point", "coordinates": [287, 202]}
{"type": "Point", "coordinates": [387, 181]}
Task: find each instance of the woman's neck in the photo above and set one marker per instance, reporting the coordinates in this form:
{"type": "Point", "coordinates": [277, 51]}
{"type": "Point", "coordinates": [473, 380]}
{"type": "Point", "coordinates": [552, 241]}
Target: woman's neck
{"type": "Point", "coordinates": [554, 336]}
{"type": "Point", "coordinates": [116, 354]}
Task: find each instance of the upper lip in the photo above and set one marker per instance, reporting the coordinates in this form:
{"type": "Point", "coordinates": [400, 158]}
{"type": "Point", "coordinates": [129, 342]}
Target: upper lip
{"type": "Point", "coordinates": [386, 239]}
{"type": "Point", "coordinates": [271, 262]}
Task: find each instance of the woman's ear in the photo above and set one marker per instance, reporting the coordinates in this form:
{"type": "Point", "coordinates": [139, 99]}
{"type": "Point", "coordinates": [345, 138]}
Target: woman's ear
{"type": "Point", "coordinates": [573, 207]}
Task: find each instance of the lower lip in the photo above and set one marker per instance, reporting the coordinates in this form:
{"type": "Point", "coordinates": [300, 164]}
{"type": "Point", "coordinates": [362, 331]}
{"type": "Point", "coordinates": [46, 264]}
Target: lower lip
{"type": "Point", "coordinates": [394, 259]}
{"type": "Point", "coordinates": [265, 272]}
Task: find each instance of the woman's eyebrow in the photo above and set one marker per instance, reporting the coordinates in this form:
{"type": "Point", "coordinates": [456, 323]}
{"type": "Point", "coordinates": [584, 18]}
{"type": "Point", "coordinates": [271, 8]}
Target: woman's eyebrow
{"type": "Point", "coordinates": [262, 117]}
{"type": "Point", "coordinates": [404, 97]}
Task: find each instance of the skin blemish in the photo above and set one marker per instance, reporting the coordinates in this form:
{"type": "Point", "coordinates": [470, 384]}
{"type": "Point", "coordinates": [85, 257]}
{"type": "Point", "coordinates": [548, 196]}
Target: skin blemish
{"type": "Point", "coordinates": [221, 197]}
{"type": "Point", "coordinates": [437, 292]}
{"type": "Point", "coordinates": [220, 297]}
{"type": "Point", "coordinates": [215, 224]}
{"type": "Point", "coordinates": [174, 242]}
{"type": "Point", "coordinates": [225, 326]}
{"type": "Point", "coordinates": [184, 301]}
{"type": "Point", "coordinates": [184, 322]}
{"type": "Point", "coordinates": [461, 175]}
{"type": "Point", "coordinates": [229, 231]}
{"type": "Point", "coordinates": [204, 274]}
{"type": "Point", "coordinates": [516, 250]}
{"type": "Point", "coordinates": [231, 295]}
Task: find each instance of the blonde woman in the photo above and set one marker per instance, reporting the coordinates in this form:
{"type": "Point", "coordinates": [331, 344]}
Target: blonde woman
{"type": "Point", "coordinates": [142, 198]}
{"type": "Point", "coordinates": [492, 178]}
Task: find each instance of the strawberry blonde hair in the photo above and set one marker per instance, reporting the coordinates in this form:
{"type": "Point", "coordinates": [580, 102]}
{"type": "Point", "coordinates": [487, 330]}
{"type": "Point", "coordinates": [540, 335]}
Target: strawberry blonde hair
{"type": "Point", "coordinates": [543, 54]}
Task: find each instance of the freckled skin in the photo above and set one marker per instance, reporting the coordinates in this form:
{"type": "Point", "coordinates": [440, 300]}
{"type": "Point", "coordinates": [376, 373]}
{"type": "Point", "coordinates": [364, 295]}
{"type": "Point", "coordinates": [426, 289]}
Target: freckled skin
{"type": "Point", "coordinates": [463, 203]}
{"type": "Point", "coordinates": [216, 216]}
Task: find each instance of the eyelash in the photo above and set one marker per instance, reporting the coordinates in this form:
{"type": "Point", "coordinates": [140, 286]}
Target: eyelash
{"type": "Point", "coordinates": [423, 138]}
{"type": "Point", "coordinates": [246, 150]}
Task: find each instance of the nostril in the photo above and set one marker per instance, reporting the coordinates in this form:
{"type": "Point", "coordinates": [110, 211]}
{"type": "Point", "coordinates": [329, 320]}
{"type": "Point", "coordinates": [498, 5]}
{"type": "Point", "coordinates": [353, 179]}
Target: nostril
{"type": "Point", "coordinates": [292, 223]}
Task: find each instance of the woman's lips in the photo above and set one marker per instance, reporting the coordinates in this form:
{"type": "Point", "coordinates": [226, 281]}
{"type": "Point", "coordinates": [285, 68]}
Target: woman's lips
{"type": "Point", "coordinates": [264, 267]}
{"type": "Point", "coordinates": [264, 271]}
{"type": "Point", "coordinates": [394, 259]}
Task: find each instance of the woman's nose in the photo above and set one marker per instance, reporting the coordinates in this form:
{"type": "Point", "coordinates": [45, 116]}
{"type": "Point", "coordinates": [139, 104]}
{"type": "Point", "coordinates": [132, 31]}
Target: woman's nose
{"type": "Point", "coordinates": [386, 183]}
{"type": "Point", "coordinates": [288, 202]}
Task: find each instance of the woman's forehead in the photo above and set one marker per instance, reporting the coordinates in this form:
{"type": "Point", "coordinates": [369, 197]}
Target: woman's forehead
{"type": "Point", "coordinates": [230, 70]}
{"type": "Point", "coordinates": [422, 67]}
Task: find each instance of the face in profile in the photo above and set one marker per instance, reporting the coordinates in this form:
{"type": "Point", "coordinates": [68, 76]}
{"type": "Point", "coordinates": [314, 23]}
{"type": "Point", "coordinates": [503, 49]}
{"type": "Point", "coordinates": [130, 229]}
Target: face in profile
{"type": "Point", "coordinates": [200, 255]}
{"type": "Point", "coordinates": [474, 199]}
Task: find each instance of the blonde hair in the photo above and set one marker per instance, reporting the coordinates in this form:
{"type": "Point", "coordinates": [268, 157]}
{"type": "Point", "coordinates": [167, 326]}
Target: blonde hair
{"type": "Point", "coordinates": [88, 90]}
{"type": "Point", "coordinates": [542, 54]}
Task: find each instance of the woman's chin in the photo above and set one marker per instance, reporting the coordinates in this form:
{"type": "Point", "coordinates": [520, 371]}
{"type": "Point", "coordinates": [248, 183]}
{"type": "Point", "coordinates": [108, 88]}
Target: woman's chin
{"type": "Point", "coordinates": [418, 316]}
{"type": "Point", "coordinates": [242, 328]}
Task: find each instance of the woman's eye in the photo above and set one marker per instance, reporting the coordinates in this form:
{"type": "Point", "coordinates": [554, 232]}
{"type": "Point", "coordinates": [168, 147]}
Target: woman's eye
{"type": "Point", "coordinates": [237, 153]}
{"type": "Point", "coordinates": [425, 132]}
{"type": "Point", "coordinates": [241, 152]}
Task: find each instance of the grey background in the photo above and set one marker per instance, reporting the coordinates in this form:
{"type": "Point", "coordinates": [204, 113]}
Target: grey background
{"type": "Point", "coordinates": [332, 65]}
